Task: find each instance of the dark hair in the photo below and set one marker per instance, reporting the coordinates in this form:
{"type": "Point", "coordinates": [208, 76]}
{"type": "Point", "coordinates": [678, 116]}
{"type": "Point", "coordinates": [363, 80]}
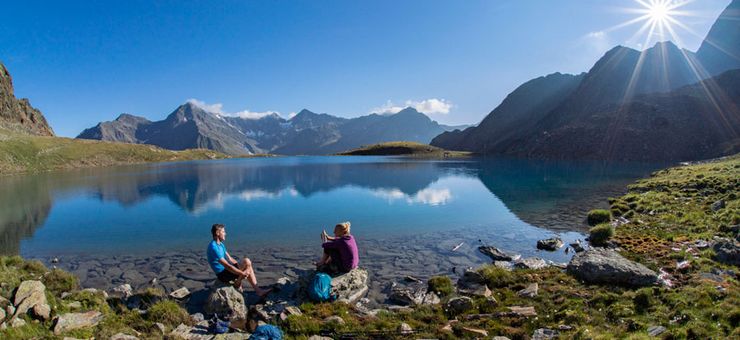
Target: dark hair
{"type": "Point", "coordinates": [215, 228]}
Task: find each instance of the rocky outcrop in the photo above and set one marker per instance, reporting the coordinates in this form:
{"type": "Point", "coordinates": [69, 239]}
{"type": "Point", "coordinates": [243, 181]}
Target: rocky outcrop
{"type": "Point", "coordinates": [605, 266]}
{"type": "Point", "coordinates": [550, 244]}
{"type": "Point", "coordinates": [414, 294]}
{"type": "Point", "coordinates": [31, 295]}
{"type": "Point", "coordinates": [18, 114]}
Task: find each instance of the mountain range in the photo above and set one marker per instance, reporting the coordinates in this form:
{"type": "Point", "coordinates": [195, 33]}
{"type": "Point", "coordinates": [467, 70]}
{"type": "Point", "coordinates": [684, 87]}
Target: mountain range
{"type": "Point", "coordinates": [663, 103]}
{"type": "Point", "coordinates": [306, 133]}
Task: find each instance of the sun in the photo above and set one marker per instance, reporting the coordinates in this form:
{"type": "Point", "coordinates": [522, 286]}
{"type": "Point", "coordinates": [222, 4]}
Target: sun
{"type": "Point", "coordinates": [659, 11]}
{"type": "Point", "coordinates": [658, 20]}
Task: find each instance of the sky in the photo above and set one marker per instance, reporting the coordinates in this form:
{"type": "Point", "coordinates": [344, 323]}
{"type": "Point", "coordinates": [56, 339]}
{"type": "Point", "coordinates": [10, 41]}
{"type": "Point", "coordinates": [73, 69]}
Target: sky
{"type": "Point", "coordinates": [82, 62]}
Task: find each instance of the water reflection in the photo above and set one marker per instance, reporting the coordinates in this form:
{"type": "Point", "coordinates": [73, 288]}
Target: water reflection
{"type": "Point", "coordinates": [554, 195]}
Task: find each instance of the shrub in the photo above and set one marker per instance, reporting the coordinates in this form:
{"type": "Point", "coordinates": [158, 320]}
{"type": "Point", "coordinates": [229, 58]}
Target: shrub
{"type": "Point", "coordinates": [598, 216]}
{"type": "Point", "coordinates": [442, 285]}
{"type": "Point", "coordinates": [643, 300]}
{"type": "Point", "coordinates": [600, 234]}
{"type": "Point", "coordinates": [58, 281]}
{"type": "Point", "coordinates": [495, 276]}
{"type": "Point", "coordinates": [168, 312]}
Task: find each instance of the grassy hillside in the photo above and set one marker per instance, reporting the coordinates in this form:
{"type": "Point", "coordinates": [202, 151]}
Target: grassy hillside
{"type": "Point", "coordinates": [24, 153]}
{"type": "Point", "coordinates": [403, 149]}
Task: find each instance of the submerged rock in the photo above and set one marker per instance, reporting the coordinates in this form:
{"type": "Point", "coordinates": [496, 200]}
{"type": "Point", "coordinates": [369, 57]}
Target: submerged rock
{"type": "Point", "coordinates": [550, 244]}
{"type": "Point", "coordinates": [496, 254]}
{"type": "Point", "coordinates": [605, 266]}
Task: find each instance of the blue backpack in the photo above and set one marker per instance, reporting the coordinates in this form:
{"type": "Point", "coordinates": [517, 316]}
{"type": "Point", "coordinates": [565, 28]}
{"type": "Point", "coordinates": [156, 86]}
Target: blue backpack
{"type": "Point", "coordinates": [267, 332]}
{"type": "Point", "coordinates": [320, 288]}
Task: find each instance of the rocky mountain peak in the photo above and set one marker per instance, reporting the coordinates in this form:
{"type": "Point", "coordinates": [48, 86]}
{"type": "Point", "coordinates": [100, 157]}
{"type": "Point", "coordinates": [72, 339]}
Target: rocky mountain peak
{"type": "Point", "coordinates": [18, 114]}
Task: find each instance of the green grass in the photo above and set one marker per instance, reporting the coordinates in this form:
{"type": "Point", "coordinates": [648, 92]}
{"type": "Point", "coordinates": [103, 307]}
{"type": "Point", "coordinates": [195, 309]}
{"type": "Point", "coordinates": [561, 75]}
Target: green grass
{"type": "Point", "coordinates": [442, 285]}
{"type": "Point", "coordinates": [599, 234]}
{"type": "Point", "coordinates": [598, 216]}
{"type": "Point", "coordinates": [404, 149]}
{"type": "Point", "coordinates": [24, 153]}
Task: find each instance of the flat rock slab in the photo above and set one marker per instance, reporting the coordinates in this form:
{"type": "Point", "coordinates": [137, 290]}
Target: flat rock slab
{"type": "Point", "coordinates": [605, 266]}
{"type": "Point", "coordinates": [497, 254]}
{"type": "Point", "coordinates": [72, 321]}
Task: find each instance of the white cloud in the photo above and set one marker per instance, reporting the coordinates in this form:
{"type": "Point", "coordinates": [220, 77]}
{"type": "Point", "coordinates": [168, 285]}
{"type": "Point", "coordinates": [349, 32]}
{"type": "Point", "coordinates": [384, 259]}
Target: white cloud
{"type": "Point", "coordinates": [428, 106]}
{"type": "Point", "coordinates": [217, 108]}
{"type": "Point", "coordinates": [427, 196]}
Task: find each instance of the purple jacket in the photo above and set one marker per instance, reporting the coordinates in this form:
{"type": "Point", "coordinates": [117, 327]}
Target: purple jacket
{"type": "Point", "coordinates": [347, 251]}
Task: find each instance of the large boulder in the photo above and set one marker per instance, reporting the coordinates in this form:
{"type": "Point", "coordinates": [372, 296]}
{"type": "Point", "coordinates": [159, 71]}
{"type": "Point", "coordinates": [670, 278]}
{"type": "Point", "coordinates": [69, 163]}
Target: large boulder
{"type": "Point", "coordinates": [550, 244]}
{"type": "Point", "coordinates": [351, 286]}
{"type": "Point", "coordinates": [31, 295]}
{"type": "Point", "coordinates": [472, 284]}
{"type": "Point", "coordinates": [226, 301]}
{"type": "Point", "coordinates": [72, 321]}
{"type": "Point", "coordinates": [727, 251]}
{"type": "Point", "coordinates": [605, 266]}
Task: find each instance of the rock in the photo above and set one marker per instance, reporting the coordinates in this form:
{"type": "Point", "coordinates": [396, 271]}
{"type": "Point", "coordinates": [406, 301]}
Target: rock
{"type": "Point", "coordinates": [411, 295]}
{"type": "Point", "coordinates": [496, 254]}
{"type": "Point", "coordinates": [72, 321]}
{"type": "Point", "coordinates": [727, 251]}
{"type": "Point", "coordinates": [197, 317]}
{"type": "Point", "coordinates": [473, 289]}
{"type": "Point", "coordinates": [74, 305]}
{"type": "Point", "coordinates": [522, 311]}
{"type": "Point", "coordinates": [199, 332]}
{"type": "Point", "coordinates": [530, 291]}
{"type": "Point", "coordinates": [180, 293]}
{"type": "Point", "coordinates": [95, 291]}
{"type": "Point", "coordinates": [605, 266]}
{"type": "Point", "coordinates": [504, 265]}
{"type": "Point", "coordinates": [319, 337]}
{"type": "Point", "coordinates": [31, 295]}
{"type": "Point", "coordinates": [550, 244]}
{"type": "Point", "coordinates": [718, 205]}
{"type": "Point", "coordinates": [475, 332]}
{"type": "Point", "coordinates": [226, 301]}
{"type": "Point", "coordinates": [530, 263]}
{"type": "Point", "coordinates": [122, 336]}
{"type": "Point", "coordinates": [544, 334]}
{"type": "Point", "coordinates": [9, 310]}
{"type": "Point", "coordinates": [16, 322]}
{"type": "Point", "coordinates": [351, 286]}
{"type": "Point", "coordinates": [123, 291]}
{"type": "Point", "coordinates": [500, 338]}
{"type": "Point", "coordinates": [2, 315]}
{"type": "Point", "coordinates": [577, 247]}
{"type": "Point", "coordinates": [292, 310]}
{"type": "Point", "coordinates": [405, 329]}
{"type": "Point", "coordinates": [656, 330]}
{"type": "Point", "coordinates": [161, 327]}
{"type": "Point", "coordinates": [55, 260]}
{"type": "Point", "coordinates": [334, 318]}
{"type": "Point", "coordinates": [430, 299]}
{"type": "Point", "coordinates": [458, 305]}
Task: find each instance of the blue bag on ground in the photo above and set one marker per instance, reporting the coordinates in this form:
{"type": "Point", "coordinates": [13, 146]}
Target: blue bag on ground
{"type": "Point", "coordinates": [267, 332]}
{"type": "Point", "coordinates": [320, 288]}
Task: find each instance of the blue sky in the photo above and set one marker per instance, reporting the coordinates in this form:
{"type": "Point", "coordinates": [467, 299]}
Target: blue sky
{"type": "Point", "coordinates": [85, 62]}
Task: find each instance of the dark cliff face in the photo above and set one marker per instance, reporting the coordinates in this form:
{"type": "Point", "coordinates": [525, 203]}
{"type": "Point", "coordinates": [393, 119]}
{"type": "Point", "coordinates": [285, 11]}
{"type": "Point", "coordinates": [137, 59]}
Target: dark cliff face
{"type": "Point", "coordinates": [661, 104]}
{"type": "Point", "coordinates": [18, 114]}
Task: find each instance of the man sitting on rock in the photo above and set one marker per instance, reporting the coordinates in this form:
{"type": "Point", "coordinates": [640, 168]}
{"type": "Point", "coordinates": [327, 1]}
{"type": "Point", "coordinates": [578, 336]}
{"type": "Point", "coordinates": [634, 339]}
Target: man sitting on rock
{"type": "Point", "coordinates": [227, 269]}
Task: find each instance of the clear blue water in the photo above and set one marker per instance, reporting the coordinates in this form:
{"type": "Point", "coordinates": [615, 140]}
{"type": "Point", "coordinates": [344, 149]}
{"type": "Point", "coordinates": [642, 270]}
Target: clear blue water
{"type": "Point", "coordinates": [288, 201]}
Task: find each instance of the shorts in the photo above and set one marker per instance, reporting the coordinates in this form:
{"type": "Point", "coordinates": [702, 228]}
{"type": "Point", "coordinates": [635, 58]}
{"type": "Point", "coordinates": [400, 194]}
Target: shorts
{"type": "Point", "coordinates": [226, 276]}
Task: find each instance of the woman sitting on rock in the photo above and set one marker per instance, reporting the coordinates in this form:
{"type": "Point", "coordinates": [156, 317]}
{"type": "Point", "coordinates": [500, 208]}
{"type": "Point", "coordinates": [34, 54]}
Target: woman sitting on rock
{"type": "Point", "coordinates": [340, 251]}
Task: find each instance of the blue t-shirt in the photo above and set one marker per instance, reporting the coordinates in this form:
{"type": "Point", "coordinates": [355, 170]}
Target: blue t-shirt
{"type": "Point", "coordinates": [215, 252]}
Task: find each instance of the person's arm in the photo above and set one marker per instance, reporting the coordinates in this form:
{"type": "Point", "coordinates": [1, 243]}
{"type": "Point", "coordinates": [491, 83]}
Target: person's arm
{"type": "Point", "coordinates": [327, 237]}
{"type": "Point", "coordinates": [332, 244]}
{"type": "Point", "coordinates": [231, 267]}
{"type": "Point", "coordinates": [231, 259]}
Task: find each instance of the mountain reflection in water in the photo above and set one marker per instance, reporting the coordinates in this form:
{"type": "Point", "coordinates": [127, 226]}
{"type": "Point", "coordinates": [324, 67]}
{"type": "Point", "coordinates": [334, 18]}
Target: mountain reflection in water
{"type": "Point", "coordinates": [290, 196]}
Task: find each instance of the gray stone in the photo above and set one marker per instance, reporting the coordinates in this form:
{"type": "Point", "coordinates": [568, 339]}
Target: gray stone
{"type": "Point", "coordinates": [122, 336]}
{"type": "Point", "coordinates": [123, 291]}
{"type": "Point", "coordinates": [412, 295]}
{"type": "Point", "coordinates": [72, 321]}
{"type": "Point", "coordinates": [180, 293]}
{"type": "Point", "coordinates": [26, 288]}
{"type": "Point", "coordinates": [656, 330]}
{"type": "Point", "coordinates": [334, 318]}
{"type": "Point", "coordinates": [727, 251]}
{"type": "Point", "coordinates": [605, 266]}
{"type": "Point", "coordinates": [16, 322]}
{"type": "Point", "coordinates": [2, 315]}
{"type": "Point", "coordinates": [545, 334]}
{"type": "Point", "coordinates": [197, 317]}
{"type": "Point", "coordinates": [74, 305]}
{"type": "Point", "coordinates": [31, 295]}
{"type": "Point", "coordinates": [577, 246]}
{"type": "Point", "coordinates": [500, 338]}
{"type": "Point", "coordinates": [550, 244]}
{"type": "Point", "coordinates": [530, 292]}
{"type": "Point", "coordinates": [458, 305]}
{"type": "Point", "coordinates": [473, 289]}
{"type": "Point", "coordinates": [405, 329]}
{"type": "Point", "coordinates": [718, 205]}
{"type": "Point", "coordinates": [226, 301]}
{"type": "Point", "coordinates": [504, 265]}
{"type": "Point", "coordinates": [351, 286]}
{"type": "Point", "coordinates": [496, 254]}
{"type": "Point", "coordinates": [161, 327]}
{"type": "Point", "coordinates": [531, 263]}
{"type": "Point", "coordinates": [522, 311]}
{"type": "Point", "coordinates": [474, 332]}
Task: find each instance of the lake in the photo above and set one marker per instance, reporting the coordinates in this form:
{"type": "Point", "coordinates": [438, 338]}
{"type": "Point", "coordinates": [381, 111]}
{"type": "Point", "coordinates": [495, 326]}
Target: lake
{"type": "Point", "coordinates": [137, 223]}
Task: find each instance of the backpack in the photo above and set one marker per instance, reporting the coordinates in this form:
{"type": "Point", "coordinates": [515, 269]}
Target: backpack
{"type": "Point", "coordinates": [266, 332]}
{"type": "Point", "coordinates": [320, 288]}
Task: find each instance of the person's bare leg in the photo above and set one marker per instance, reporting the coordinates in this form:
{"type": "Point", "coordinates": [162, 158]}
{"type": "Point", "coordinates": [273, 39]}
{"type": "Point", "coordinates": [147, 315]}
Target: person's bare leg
{"type": "Point", "coordinates": [324, 260]}
{"type": "Point", "coordinates": [238, 281]}
{"type": "Point", "coordinates": [252, 279]}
